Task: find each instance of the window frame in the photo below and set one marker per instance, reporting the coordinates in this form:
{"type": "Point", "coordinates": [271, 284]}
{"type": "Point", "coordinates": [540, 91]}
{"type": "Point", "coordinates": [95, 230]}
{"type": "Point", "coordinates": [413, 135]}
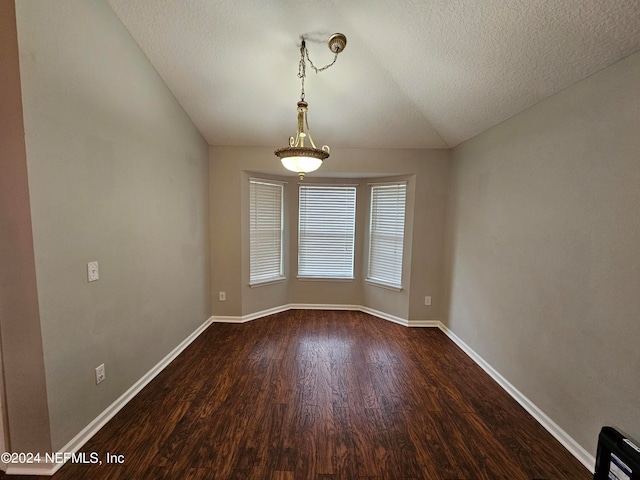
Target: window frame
{"type": "Point", "coordinates": [388, 282]}
{"type": "Point", "coordinates": [352, 216]}
{"type": "Point", "coordinates": [280, 276]}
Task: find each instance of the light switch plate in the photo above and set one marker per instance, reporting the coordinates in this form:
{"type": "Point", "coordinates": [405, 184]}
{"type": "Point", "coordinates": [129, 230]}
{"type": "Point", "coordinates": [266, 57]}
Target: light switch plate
{"type": "Point", "coordinates": [92, 271]}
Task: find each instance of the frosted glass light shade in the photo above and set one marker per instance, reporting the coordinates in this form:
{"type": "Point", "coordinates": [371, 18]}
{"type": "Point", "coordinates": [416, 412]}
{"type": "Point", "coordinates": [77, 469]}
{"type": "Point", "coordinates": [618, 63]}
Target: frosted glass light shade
{"type": "Point", "coordinates": [301, 164]}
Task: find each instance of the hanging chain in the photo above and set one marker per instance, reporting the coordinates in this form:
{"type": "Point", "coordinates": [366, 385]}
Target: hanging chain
{"type": "Point", "coordinates": [302, 66]}
{"type": "Point", "coordinates": [318, 70]}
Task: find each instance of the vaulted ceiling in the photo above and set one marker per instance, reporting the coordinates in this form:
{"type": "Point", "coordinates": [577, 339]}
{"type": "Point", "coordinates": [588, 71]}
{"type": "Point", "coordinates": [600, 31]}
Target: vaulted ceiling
{"type": "Point", "coordinates": [414, 74]}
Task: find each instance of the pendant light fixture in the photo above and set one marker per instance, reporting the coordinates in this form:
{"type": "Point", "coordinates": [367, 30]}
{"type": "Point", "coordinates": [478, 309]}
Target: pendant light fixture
{"type": "Point", "coordinates": [298, 157]}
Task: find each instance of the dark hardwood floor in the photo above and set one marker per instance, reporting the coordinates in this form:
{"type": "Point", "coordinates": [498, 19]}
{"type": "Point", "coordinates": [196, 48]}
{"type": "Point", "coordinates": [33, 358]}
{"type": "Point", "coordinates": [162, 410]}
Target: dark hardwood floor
{"type": "Point", "coordinates": [324, 395]}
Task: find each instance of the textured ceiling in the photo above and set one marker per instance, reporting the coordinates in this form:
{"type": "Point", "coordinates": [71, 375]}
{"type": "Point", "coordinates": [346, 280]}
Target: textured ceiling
{"type": "Point", "coordinates": [415, 74]}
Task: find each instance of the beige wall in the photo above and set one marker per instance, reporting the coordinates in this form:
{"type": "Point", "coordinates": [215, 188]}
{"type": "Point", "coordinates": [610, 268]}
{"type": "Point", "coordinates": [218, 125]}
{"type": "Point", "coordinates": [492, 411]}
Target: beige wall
{"type": "Point", "coordinates": [543, 271]}
{"type": "Point", "coordinates": [25, 412]}
{"type": "Point", "coordinates": [427, 172]}
{"type": "Point", "coordinates": [118, 174]}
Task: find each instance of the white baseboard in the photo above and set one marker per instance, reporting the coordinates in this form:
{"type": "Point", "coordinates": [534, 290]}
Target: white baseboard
{"type": "Point", "coordinates": [224, 319]}
{"type": "Point", "coordinates": [326, 306]}
{"type": "Point", "coordinates": [385, 316]}
{"type": "Point", "coordinates": [249, 317]}
{"type": "Point", "coordinates": [90, 430]}
{"type": "Point", "coordinates": [425, 323]}
{"type": "Point", "coordinates": [46, 469]}
{"type": "Point", "coordinates": [323, 306]}
{"type": "Point", "coordinates": [264, 313]}
{"type": "Point", "coordinates": [563, 437]}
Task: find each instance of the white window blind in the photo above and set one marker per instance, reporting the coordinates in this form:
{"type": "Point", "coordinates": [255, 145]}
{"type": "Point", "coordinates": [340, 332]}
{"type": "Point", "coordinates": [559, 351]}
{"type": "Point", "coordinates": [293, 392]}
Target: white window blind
{"type": "Point", "coordinates": [265, 231]}
{"type": "Point", "coordinates": [386, 234]}
{"type": "Point", "coordinates": [326, 231]}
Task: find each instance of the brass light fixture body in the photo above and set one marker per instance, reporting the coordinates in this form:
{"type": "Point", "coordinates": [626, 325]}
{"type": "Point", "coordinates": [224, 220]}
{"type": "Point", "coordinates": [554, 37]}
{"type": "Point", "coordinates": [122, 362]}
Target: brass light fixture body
{"type": "Point", "coordinates": [298, 157]}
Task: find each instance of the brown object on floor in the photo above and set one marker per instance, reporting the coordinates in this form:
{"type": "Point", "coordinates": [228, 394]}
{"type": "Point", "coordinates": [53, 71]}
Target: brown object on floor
{"type": "Point", "coordinates": [324, 395]}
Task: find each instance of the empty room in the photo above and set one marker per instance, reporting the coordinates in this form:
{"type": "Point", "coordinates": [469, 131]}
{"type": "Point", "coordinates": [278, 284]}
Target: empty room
{"type": "Point", "coordinates": [319, 240]}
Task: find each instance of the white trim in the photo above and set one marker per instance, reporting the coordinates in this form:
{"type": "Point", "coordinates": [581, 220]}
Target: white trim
{"type": "Point", "coordinates": [326, 306]}
{"type": "Point", "coordinates": [424, 323]}
{"type": "Point", "coordinates": [325, 279]}
{"type": "Point", "coordinates": [385, 316]}
{"type": "Point", "coordinates": [90, 430]}
{"type": "Point", "coordinates": [282, 308]}
{"type": "Point", "coordinates": [266, 181]}
{"type": "Point", "coordinates": [47, 469]}
{"type": "Point", "coordinates": [251, 316]}
{"type": "Point", "coordinates": [563, 437]}
{"type": "Point", "coordinates": [323, 306]}
{"type": "Point", "coordinates": [324, 184]}
{"type": "Point", "coordinates": [264, 313]}
{"type": "Point", "coordinates": [264, 283]}
{"type": "Point", "coordinates": [382, 184]}
{"type": "Point", "coordinates": [377, 283]}
{"type": "Point", "coordinates": [226, 319]}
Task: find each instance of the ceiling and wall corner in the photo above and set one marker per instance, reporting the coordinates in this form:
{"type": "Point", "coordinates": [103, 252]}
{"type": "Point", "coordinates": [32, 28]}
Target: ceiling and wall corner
{"type": "Point", "coordinates": [413, 75]}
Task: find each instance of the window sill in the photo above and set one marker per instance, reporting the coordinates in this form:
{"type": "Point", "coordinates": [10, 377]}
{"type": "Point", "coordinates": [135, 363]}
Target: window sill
{"type": "Point", "coordinates": [326, 279]}
{"type": "Point", "coordinates": [264, 283]}
{"type": "Point", "coordinates": [383, 285]}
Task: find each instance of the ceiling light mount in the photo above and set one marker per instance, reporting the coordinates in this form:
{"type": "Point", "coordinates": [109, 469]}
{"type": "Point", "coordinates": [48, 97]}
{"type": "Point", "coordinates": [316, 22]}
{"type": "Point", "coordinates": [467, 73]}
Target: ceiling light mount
{"type": "Point", "coordinates": [337, 42]}
{"type": "Point", "coordinates": [298, 157]}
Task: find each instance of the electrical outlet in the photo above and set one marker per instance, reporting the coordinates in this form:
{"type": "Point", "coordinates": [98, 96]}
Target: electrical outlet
{"type": "Point", "coordinates": [92, 271]}
{"type": "Point", "coordinates": [223, 296]}
{"type": "Point", "coordinates": [427, 300]}
{"type": "Point", "coordinates": [100, 375]}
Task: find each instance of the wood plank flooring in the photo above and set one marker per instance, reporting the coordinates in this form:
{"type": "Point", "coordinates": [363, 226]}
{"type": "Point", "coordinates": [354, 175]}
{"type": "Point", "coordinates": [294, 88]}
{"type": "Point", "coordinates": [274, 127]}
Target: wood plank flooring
{"type": "Point", "coordinates": [324, 395]}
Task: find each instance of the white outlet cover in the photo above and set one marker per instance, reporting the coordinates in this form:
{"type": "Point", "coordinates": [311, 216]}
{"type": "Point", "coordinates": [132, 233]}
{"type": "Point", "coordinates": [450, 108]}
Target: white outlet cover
{"type": "Point", "coordinates": [92, 271]}
{"type": "Point", "coordinates": [100, 374]}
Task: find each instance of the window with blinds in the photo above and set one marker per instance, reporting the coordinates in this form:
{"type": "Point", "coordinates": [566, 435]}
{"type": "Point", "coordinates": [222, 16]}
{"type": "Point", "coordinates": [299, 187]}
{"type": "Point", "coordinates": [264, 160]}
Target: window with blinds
{"type": "Point", "coordinates": [326, 231]}
{"type": "Point", "coordinates": [265, 231]}
{"type": "Point", "coordinates": [386, 234]}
